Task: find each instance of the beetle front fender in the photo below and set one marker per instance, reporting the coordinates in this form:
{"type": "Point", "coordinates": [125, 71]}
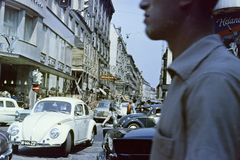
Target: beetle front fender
{"type": "Point", "coordinates": [133, 120]}
{"type": "Point", "coordinates": [92, 126]}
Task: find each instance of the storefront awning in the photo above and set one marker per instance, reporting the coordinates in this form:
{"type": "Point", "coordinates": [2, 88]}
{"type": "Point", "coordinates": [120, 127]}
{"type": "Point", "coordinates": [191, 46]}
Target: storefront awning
{"type": "Point", "coordinates": [17, 59]}
{"type": "Point", "coordinates": [102, 91]}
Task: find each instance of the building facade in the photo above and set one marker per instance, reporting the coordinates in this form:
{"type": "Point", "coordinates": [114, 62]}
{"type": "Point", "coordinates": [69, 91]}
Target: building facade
{"type": "Point", "coordinates": [118, 61]}
{"type": "Point", "coordinates": [133, 79]}
{"type": "Point", "coordinates": [35, 35]}
{"type": "Point", "coordinates": [165, 78]}
{"type": "Point", "coordinates": [92, 46]}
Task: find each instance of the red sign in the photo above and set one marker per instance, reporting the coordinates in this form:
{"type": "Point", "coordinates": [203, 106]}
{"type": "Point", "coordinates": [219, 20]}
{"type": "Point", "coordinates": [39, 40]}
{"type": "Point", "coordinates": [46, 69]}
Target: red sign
{"type": "Point", "coordinates": [107, 77]}
{"type": "Point", "coordinates": [35, 88]}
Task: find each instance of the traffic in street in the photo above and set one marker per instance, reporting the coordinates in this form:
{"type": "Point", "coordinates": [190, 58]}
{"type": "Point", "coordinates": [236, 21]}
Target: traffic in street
{"type": "Point", "coordinates": [66, 128]}
{"type": "Point", "coordinates": [80, 151]}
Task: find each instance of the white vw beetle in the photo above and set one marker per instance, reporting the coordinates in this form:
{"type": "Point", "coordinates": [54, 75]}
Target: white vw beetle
{"type": "Point", "coordinates": [54, 122]}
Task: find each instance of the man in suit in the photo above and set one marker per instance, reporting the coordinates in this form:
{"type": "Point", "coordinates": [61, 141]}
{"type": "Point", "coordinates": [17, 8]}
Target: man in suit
{"type": "Point", "coordinates": [200, 115]}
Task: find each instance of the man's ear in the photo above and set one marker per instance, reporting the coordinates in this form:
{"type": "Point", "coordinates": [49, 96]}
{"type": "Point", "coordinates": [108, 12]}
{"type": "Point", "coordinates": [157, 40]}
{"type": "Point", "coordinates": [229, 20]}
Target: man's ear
{"type": "Point", "coordinates": [185, 3]}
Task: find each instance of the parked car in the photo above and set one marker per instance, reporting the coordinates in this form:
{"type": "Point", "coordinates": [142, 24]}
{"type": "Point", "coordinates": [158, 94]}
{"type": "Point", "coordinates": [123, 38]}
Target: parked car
{"type": "Point", "coordinates": [127, 143]}
{"type": "Point", "coordinates": [148, 117]}
{"type": "Point", "coordinates": [123, 107]}
{"type": "Point", "coordinates": [5, 146]}
{"type": "Point", "coordinates": [102, 110]}
{"type": "Point", "coordinates": [8, 108]}
{"type": "Point", "coordinates": [55, 122]}
{"type": "Point", "coordinates": [20, 115]}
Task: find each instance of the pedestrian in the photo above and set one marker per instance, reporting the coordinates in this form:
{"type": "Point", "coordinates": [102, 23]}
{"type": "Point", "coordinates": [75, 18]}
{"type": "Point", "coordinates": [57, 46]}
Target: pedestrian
{"type": "Point", "coordinates": [129, 107]}
{"type": "Point", "coordinates": [39, 97]}
{"type": "Point", "coordinates": [112, 114]}
{"type": "Point", "coordinates": [94, 105]}
{"type": "Point", "coordinates": [14, 97]}
{"type": "Point", "coordinates": [200, 115]}
{"type": "Point", "coordinates": [148, 102]}
{"type": "Point", "coordinates": [26, 104]}
{"type": "Point", "coordinates": [133, 106]}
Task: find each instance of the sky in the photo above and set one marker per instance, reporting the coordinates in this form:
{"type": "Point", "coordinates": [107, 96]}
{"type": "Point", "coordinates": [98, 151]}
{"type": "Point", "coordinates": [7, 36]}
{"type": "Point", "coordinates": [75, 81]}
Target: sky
{"type": "Point", "coordinates": [146, 53]}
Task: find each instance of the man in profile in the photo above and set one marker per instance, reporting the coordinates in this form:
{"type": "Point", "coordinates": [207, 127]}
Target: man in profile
{"type": "Point", "coordinates": [200, 115]}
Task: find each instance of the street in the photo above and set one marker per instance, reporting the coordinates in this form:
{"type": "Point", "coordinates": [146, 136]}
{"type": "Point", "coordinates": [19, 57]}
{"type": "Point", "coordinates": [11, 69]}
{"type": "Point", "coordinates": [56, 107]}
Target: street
{"type": "Point", "coordinates": [77, 152]}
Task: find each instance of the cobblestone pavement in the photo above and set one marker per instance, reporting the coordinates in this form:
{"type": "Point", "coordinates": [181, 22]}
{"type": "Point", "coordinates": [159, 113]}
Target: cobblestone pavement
{"type": "Point", "coordinates": [78, 152]}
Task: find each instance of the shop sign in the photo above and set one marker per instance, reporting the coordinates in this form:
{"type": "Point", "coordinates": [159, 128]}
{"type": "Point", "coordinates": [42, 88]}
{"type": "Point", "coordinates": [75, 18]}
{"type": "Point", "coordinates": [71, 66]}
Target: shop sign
{"type": "Point", "coordinates": [107, 78]}
{"type": "Point", "coordinates": [227, 23]}
{"type": "Point", "coordinates": [228, 27]}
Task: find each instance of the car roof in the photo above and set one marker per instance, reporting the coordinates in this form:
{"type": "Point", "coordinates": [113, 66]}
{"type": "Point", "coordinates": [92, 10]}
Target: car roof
{"type": "Point", "coordinates": [154, 106]}
{"type": "Point", "coordinates": [6, 98]}
{"type": "Point", "coordinates": [67, 99]}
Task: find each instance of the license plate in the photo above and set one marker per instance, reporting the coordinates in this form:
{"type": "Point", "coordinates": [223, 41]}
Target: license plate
{"type": "Point", "coordinates": [28, 143]}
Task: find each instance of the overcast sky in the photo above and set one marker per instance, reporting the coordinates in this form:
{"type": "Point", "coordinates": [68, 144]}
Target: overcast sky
{"type": "Point", "coordinates": [146, 53]}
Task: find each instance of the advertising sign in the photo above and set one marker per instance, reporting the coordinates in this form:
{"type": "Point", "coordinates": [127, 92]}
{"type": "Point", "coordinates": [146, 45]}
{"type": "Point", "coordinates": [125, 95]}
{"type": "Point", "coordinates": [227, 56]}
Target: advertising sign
{"type": "Point", "coordinates": [228, 27]}
{"type": "Point", "coordinates": [227, 23]}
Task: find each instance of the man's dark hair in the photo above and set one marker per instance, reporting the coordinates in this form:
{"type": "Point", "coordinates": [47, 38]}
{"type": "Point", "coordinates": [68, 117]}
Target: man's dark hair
{"type": "Point", "coordinates": [208, 5]}
{"type": "Point", "coordinates": [134, 100]}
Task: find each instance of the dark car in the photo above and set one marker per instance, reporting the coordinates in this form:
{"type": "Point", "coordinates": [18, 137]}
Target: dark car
{"type": "Point", "coordinates": [5, 146]}
{"type": "Point", "coordinates": [127, 143]}
{"type": "Point", "coordinates": [147, 117]}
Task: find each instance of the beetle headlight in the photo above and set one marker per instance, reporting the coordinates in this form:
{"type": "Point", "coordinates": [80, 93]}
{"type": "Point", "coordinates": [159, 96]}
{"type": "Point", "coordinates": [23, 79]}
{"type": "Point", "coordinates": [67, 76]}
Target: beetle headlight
{"type": "Point", "coordinates": [14, 130]}
{"type": "Point", "coordinates": [54, 133]}
{"type": "Point", "coordinates": [110, 143]}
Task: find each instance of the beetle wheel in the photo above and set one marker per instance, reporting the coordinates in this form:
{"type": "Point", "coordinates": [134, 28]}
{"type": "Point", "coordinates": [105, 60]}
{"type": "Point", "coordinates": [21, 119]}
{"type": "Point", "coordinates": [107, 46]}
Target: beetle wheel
{"type": "Point", "coordinates": [90, 142]}
{"type": "Point", "coordinates": [133, 125]}
{"type": "Point", "coordinates": [66, 146]}
{"type": "Point", "coordinates": [15, 149]}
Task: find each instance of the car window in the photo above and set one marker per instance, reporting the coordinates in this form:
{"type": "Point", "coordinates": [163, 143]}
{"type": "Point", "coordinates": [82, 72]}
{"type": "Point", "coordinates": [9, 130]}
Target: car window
{"type": "Point", "coordinates": [124, 105]}
{"type": "Point", "coordinates": [86, 109]}
{"type": "Point", "coordinates": [10, 104]}
{"type": "Point", "coordinates": [79, 108]}
{"type": "Point", "coordinates": [1, 103]}
{"type": "Point", "coordinates": [155, 111]}
{"type": "Point", "coordinates": [104, 104]}
{"type": "Point", "coordinates": [53, 106]}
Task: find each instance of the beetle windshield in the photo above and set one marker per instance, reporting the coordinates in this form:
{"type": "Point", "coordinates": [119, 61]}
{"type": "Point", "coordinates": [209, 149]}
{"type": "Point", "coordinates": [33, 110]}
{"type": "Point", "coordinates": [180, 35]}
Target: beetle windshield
{"type": "Point", "coordinates": [53, 106]}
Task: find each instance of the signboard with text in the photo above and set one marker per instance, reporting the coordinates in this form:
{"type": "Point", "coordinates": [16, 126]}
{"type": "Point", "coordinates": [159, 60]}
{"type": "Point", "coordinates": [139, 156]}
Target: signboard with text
{"type": "Point", "coordinates": [107, 78]}
{"type": "Point", "coordinates": [228, 27]}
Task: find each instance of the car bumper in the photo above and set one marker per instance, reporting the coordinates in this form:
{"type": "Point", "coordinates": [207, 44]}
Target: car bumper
{"type": "Point", "coordinates": [7, 155]}
{"type": "Point", "coordinates": [97, 117]}
{"type": "Point", "coordinates": [38, 145]}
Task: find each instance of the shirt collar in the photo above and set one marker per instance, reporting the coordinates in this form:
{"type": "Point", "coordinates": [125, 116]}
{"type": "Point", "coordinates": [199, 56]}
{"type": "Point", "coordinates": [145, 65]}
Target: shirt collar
{"type": "Point", "coordinates": [187, 61]}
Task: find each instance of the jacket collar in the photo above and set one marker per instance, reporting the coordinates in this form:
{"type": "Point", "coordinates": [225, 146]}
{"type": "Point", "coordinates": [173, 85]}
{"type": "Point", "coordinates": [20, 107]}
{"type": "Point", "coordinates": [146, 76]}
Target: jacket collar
{"type": "Point", "coordinates": [187, 61]}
